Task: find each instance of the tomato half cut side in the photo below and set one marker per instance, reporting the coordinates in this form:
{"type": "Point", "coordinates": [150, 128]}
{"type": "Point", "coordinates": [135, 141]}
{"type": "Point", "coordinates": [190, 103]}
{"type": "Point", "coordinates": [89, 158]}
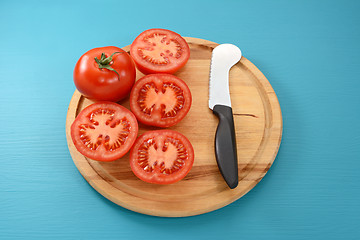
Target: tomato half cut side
{"type": "Point", "coordinates": [161, 157]}
{"type": "Point", "coordinates": [160, 100]}
{"type": "Point", "coordinates": [159, 51]}
{"type": "Point", "coordinates": [104, 131]}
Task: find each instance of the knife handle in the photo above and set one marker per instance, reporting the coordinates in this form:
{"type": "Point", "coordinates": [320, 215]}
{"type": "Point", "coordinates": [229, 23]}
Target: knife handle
{"type": "Point", "coordinates": [225, 145]}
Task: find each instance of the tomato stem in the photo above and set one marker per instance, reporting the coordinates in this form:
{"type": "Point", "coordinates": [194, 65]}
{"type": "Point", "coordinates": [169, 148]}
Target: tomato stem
{"type": "Point", "coordinates": [104, 62]}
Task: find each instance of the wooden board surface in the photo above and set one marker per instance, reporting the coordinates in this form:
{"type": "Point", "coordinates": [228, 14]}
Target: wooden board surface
{"type": "Point", "coordinates": [258, 124]}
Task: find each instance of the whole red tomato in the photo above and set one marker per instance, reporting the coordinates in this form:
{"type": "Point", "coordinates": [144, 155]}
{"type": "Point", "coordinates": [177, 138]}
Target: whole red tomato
{"type": "Point", "coordinates": [106, 73]}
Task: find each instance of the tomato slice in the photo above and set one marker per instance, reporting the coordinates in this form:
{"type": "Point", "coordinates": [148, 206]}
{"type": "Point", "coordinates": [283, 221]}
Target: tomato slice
{"type": "Point", "coordinates": [104, 131]}
{"type": "Point", "coordinates": [160, 100]}
{"type": "Point", "coordinates": [159, 51]}
{"type": "Point", "coordinates": [161, 157]}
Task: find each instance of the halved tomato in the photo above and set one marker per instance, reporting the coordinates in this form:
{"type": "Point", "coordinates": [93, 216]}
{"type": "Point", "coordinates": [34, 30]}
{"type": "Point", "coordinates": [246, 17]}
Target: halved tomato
{"type": "Point", "coordinates": [161, 157]}
{"type": "Point", "coordinates": [104, 131]}
{"type": "Point", "coordinates": [160, 100]}
{"type": "Point", "coordinates": [159, 51]}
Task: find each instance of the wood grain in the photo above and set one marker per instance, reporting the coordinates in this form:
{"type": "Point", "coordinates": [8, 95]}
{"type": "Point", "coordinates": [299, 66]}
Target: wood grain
{"type": "Point", "coordinates": [258, 124]}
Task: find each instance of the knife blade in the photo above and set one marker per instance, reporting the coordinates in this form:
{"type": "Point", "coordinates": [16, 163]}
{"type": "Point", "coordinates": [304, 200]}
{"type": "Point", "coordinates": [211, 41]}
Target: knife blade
{"type": "Point", "coordinates": [224, 56]}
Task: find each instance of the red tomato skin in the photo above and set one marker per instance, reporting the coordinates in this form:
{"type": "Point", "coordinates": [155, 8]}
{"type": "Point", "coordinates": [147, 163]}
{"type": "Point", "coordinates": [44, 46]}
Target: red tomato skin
{"type": "Point", "coordinates": [103, 84]}
{"type": "Point", "coordinates": [158, 178]}
{"type": "Point", "coordinates": [147, 68]}
{"type": "Point", "coordinates": [101, 155]}
{"type": "Point", "coordinates": [147, 120]}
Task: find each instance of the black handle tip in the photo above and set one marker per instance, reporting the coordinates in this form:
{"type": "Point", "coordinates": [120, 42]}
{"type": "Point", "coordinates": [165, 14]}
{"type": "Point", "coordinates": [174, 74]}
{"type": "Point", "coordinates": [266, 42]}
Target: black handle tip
{"type": "Point", "coordinates": [232, 185]}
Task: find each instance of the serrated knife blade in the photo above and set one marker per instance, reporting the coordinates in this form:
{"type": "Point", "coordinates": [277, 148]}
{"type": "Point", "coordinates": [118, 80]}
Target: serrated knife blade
{"type": "Point", "coordinates": [223, 57]}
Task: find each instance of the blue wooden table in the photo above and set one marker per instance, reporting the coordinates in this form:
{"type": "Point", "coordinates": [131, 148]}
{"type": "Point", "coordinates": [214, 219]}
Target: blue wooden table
{"type": "Point", "coordinates": [308, 50]}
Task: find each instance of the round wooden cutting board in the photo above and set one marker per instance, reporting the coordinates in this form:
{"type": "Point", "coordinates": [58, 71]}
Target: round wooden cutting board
{"type": "Point", "coordinates": [258, 124]}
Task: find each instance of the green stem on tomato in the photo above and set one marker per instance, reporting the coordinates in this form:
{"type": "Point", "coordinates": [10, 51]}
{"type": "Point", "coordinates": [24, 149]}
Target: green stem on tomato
{"type": "Point", "coordinates": [104, 62]}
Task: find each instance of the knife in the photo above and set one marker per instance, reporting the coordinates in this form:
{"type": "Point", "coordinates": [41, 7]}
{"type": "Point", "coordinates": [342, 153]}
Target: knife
{"type": "Point", "coordinates": [223, 57]}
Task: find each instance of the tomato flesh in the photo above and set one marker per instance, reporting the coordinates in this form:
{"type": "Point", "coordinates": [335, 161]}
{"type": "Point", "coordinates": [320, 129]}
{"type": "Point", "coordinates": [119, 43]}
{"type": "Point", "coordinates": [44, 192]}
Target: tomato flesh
{"type": "Point", "coordinates": [104, 131]}
{"type": "Point", "coordinates": [159, 51]}
{"type": "Point", "coordinates": [160, 100]}
{"type": "Point", "coordinates": [161, 157]}
{"type": "Point", "coordinates": [164, 51]}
